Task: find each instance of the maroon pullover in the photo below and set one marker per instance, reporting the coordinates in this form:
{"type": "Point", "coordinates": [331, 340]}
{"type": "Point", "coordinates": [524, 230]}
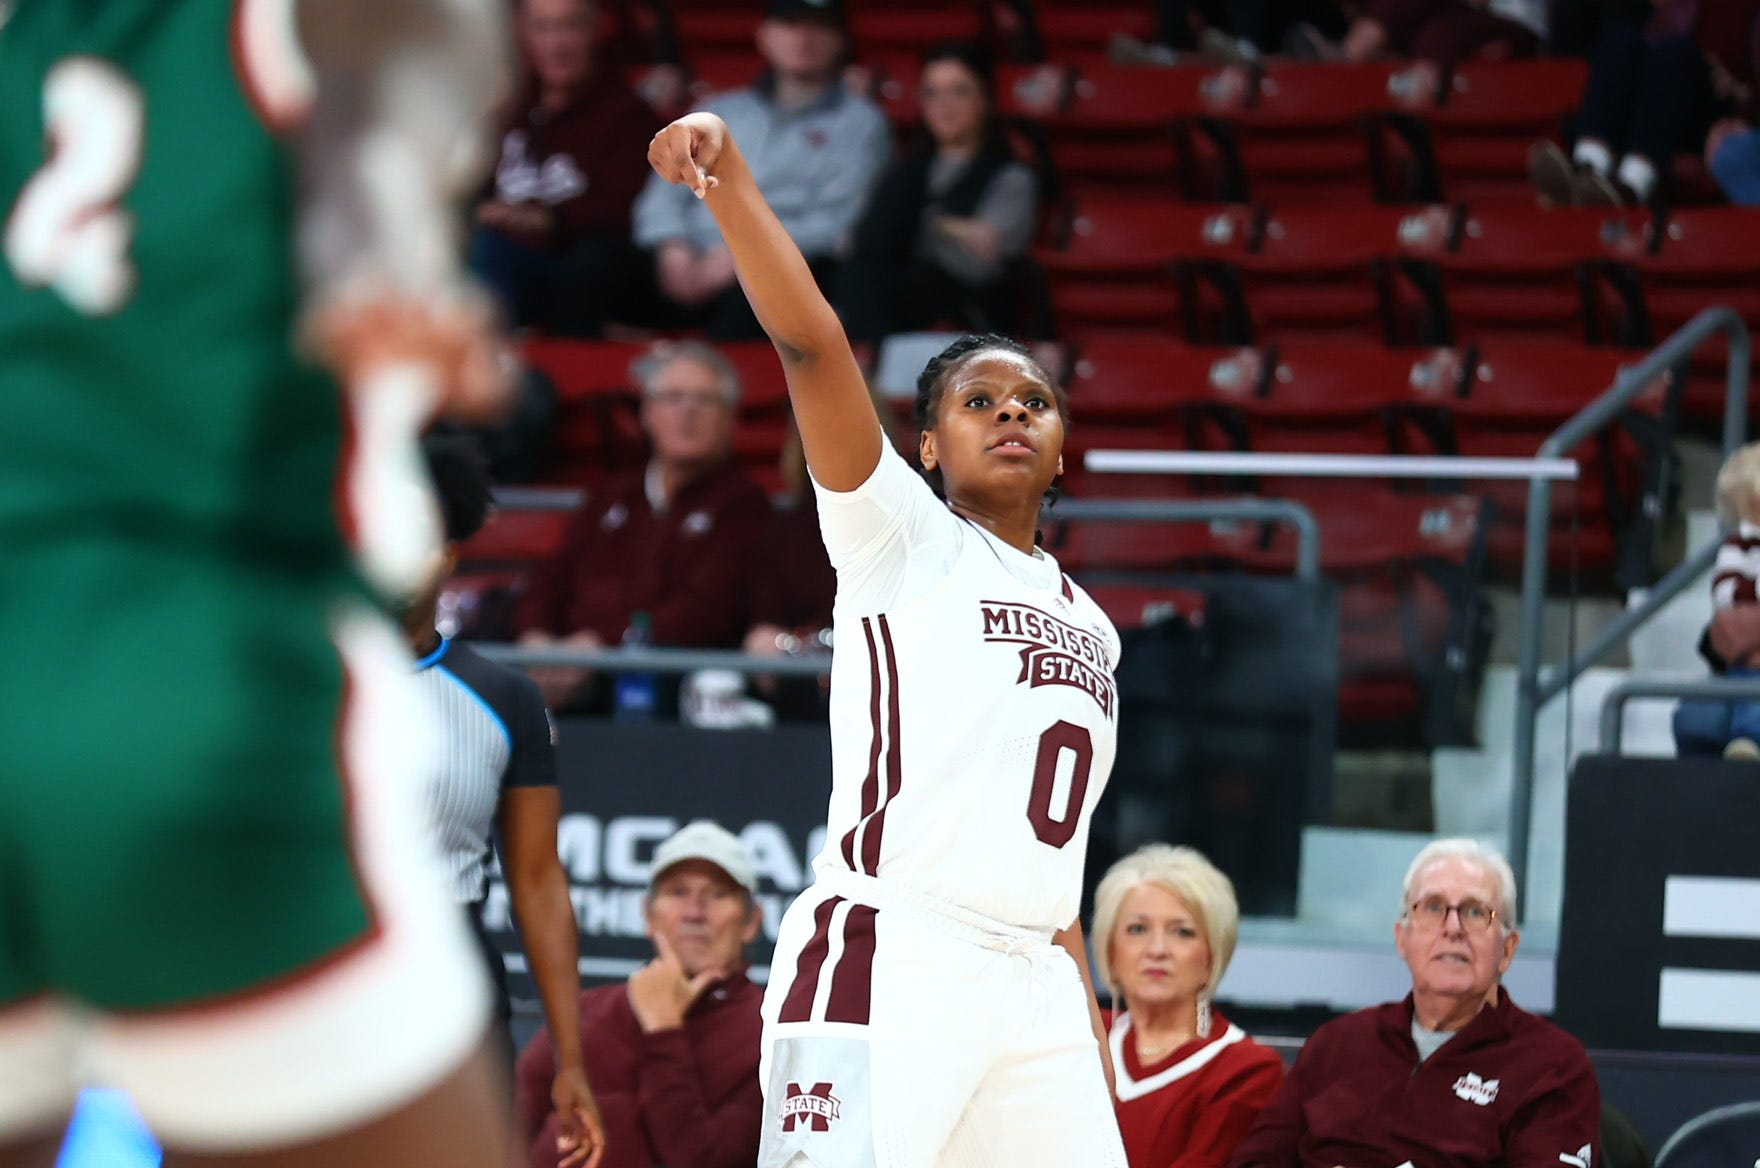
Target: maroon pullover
{"type": "Point", "coordinates": [686, 567]}
{"type": "Point", "coordinates": [1509, 1090]}
{"type": "Point", "coordinates": [683, 1098]}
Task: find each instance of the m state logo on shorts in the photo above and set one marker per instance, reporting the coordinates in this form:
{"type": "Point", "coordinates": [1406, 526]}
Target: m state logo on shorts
{"type": "Point", "coordinates": [1476, 1090]}
{"type": "Point", "coordinates": [1054, 652]}
{"type": "Point", "coordinates": [816, 1107]}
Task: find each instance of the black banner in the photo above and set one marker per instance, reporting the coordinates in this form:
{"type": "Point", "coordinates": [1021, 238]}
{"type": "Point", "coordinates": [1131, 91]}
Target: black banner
{"type": "Point", "coordinates": [1659, 942]}
{"type": "Point", "coordinates": [626, 787]}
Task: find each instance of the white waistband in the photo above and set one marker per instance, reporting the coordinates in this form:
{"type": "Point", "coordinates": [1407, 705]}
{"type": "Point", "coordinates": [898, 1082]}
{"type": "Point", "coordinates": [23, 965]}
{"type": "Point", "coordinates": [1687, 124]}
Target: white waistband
{"type": "Point", "coordinates": [890, 896]}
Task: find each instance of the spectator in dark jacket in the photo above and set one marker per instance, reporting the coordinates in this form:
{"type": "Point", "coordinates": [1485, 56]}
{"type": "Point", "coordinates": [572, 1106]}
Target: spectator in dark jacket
{"type": "Point", "coordinates": [1658, 84]}
{"type": "Point", "coordinates": [670, 540]}
{"type": "Point", "coordinates": [552, 237]}
{"type": "Point", "coordinates": [1454, 1076]}
{"type": "Point", "coordinates": [672, 1054]}
{"type": "Point", "coordinates": [940, 240]}
{"type": "Point", "coordinates": [1442, 32]}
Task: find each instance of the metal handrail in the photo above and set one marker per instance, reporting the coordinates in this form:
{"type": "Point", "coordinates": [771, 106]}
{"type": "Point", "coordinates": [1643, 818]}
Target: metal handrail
{"type": "Point", "coordinates": [1613, 706]}
{"type": "Point", "coordinates": [1533, 690]}
{"type": "Point", "coordinates": [1244, 510]}
{"type": "Point", "coordinates": [654, 659]}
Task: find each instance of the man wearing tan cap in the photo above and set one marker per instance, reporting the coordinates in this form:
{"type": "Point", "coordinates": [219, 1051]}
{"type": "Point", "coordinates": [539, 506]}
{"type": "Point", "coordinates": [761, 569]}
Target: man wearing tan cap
{"type": "Point", "coordinates": [671, 1054]}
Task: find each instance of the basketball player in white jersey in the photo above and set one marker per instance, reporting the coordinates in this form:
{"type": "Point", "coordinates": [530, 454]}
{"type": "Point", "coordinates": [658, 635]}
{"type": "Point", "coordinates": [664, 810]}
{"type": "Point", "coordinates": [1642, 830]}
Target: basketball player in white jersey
{"type": "Point", "coordinates": [929, 1002]}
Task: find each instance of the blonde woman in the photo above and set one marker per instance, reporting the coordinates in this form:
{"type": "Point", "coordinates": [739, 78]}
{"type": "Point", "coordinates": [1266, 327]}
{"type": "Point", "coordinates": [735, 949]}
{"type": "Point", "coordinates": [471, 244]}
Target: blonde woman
{"type": "Point", "coordinates": [1189, 1083]}
{"type": "Point", "coordinates": [1732, 729]}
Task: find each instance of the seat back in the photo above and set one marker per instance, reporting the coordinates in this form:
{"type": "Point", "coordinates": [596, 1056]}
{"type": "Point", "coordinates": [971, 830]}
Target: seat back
{"type": "Point", "coordinates": [1725, 1137]}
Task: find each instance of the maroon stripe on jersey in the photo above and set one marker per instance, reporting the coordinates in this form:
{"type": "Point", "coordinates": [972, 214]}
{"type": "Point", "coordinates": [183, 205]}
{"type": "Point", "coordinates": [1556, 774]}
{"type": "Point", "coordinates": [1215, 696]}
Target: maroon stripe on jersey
{"type": "Point", "coordinates": [798, 1006]}
{"type": "Point", "coordinates": [870, 785]}
{"type": "Point", "coordinates": [894, 775]}
{"type": "Point", "coordinates": [852, 981]}
{"type": "Point", "coordinates": [1069, 593]}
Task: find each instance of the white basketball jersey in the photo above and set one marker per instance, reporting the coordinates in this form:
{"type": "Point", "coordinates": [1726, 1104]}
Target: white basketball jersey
{"type": "Point", "coordinates": [973, 708]}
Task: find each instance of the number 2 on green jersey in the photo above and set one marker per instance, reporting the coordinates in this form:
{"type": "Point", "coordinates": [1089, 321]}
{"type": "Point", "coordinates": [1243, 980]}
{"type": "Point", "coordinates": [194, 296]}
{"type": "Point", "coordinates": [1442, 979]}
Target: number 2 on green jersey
{"type": "Point", "coordinates": [69, 231]}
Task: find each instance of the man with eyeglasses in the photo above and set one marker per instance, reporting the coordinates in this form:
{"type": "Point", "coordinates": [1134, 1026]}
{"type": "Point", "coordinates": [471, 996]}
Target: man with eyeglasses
{"type": "Point", "coordinates": [668, 541]}
{"type": "Point", "coordinates": [1455, 1075]}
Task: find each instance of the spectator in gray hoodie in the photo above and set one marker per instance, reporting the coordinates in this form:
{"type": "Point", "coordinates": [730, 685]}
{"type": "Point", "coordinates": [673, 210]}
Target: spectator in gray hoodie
{"type": "Point", "coordinates": [814, 148]}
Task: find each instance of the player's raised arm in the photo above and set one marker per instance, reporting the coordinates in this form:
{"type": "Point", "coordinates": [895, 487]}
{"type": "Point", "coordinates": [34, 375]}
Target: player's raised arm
{"type": "Point", "coordinates": [839, 429]}
{"type": "Point", "coordinates": [396, 137]}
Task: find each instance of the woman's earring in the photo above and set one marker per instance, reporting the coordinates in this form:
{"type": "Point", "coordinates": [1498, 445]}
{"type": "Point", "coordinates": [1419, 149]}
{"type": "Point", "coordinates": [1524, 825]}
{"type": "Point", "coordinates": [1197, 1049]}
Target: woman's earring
{"type": "Point", "coordinates": [1203, 1017]}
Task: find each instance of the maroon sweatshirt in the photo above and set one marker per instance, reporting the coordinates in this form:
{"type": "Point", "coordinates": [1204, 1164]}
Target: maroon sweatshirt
{"type": "Point", "coordinates": [686, 567]}
{"type": "Point", "coordinates": [1510, 1089]}
{"type": "Point", "coordinates": [587, 162]}
{"type": "Point", "coordinates": [683, 1098]}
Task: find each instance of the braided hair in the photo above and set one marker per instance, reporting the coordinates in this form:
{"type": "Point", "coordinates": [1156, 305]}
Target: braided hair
{"type": "Point", "coordinates": [932, 386]}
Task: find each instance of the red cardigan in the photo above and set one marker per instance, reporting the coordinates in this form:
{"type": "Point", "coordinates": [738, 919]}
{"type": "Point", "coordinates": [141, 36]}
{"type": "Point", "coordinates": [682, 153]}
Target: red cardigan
{"type": "Point", "coordinates": [1509, 1090]}
{"type": "Point", "coordinates": [684, 1098]}
{"type": "Point", "coordinates": [1190, 1108]}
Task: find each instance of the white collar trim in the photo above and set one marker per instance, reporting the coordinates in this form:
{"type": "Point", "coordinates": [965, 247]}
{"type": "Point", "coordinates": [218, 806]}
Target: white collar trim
{"type": "Point", "coordinates": [1130, 1088]}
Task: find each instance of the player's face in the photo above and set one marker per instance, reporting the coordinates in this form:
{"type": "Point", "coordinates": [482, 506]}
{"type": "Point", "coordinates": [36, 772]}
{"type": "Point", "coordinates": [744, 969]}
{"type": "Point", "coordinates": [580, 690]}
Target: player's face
{"type": "Point", "coordinates": [704, 916]}
{"type": "Point", "coordinates": [558, 39]}
{"type": "Point", "coordinates": [997, 432]}
{"type": "Point", "coordinates": [953, 104]}
{"type": "Point", "coordinates": [1160, 955]}
{"type": "Point", "coordinates": [806, 49]}
{"type": "Point", "coordinates": [687, 416]}
{"type": "Point", "coordinates": [1455, 959]}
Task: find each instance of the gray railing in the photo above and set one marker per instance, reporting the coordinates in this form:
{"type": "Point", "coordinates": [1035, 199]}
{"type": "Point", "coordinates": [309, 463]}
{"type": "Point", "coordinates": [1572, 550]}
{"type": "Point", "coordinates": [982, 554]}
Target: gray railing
{"type": "Point", "coordinates": [1613, 706]}
{"type": "Point", "coordinates": [1534, 688]}
{"type": "Point", "coordinates": [658, 659]}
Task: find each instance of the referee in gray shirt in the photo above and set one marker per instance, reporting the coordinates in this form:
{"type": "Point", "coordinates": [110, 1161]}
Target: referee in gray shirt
{"type": "Point", "coordinates": [495, 773]}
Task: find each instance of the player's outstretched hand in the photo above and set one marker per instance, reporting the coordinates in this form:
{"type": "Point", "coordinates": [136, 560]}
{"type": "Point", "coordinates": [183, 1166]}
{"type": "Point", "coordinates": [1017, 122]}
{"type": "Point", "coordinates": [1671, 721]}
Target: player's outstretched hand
{"type": "Point", "coordinates": [580, 1133]}
{"type": "Point", "coordinates": [686, 151]}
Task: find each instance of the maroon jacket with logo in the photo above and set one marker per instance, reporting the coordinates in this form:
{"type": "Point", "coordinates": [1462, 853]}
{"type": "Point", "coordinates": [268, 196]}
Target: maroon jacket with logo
{"type": "Point", "coordinates": [686, 567]}
{"type": "Point", "coordinates": [683, 1098]}
{"type": "Point", "coordinates": [1509, 1090]}
{"type": "Point", "coordinates": [587, 162]}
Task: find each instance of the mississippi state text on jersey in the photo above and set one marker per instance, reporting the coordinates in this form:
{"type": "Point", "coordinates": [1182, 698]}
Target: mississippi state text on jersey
{"type": "Point", "coordinates": [973, 707]}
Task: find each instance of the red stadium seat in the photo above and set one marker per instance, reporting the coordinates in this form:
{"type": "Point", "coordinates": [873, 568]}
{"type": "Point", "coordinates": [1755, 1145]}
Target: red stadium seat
{"type": "Point", "coordinates": [1113, 264]}
{"type": "Point", "coordinates": [1413, 631]}
{"type": "Point", "coordinates": [1698, 257]}
{"type": "Point", "coordinates": [724, 69]}
{"type": "Point", "coordinates": [716, 29]}
{"type": "Point", "coordinates": [1326, 398]}
{"type": "Point", "coordinates": [1487, 117]}
{"type": "Point", "coordinates": [1147, 378]}
{"type": "Point", "coordinates": [1323, 270]}
{"type": "Point", "coordinates": [1516, 395]}
{"type": "Point", "coordinates": [879, 26]}
{"type": "Point", "coordinates": [1068, 28]}
{"type": "Point", "coordinates": [1523, 270]}
{"type": "Point", "coordinates": [1118, 126]}
{"type": "Point", "coordinates": [1363, 528]}
{"type": "Point", "coordinates": [585, 369]}
{"type": "Point", "coordinates": [764, 389]}
{"type": "Point", "coordinates": [1303, 132]}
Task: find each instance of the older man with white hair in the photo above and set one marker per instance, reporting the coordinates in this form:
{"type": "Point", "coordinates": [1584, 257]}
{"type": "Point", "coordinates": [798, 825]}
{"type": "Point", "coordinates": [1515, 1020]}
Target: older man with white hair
{"type": "Point", "coordinates": [1455, 1075]}
{"type": "Point", "coordinates": [667, 543]}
